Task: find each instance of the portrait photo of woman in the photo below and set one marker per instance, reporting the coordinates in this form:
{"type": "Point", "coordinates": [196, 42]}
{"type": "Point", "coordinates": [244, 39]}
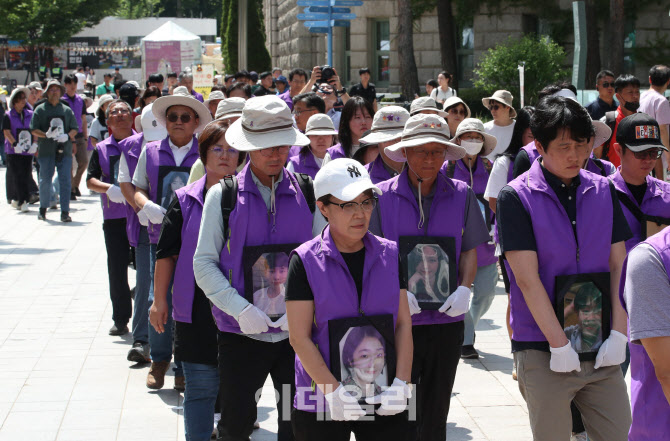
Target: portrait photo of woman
{"type": "Point", "coordinates": [363, 361]}
{"type": "Point", "coordinates": [428, 273]}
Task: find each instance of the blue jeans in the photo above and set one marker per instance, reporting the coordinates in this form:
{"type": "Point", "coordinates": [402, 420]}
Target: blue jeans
{"type": "Point", "coordinates": [483, 293]}
{"type": "Point", "coordinates": [142, 285]}
{"type": "Point", "coordinates": [48, 165]}
{"type": "Point", "coordinates": [202, 386]}
{"type": "Point", "coordinates": [161, 344]}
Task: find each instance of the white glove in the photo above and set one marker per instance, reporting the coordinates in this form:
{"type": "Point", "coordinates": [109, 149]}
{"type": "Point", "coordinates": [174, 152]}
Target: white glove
{"type": "Point", "coordinates": [115, 195]}
{"type": "Point", "coordinates": [154, 212]}
{"type": "Point", "coordinates": [414, 307]}
{"type": "Point", "coordinates": [33, 148]}
{"type": "Point", "coordinates": [52, 133]}
{"type": "Point", "coordinates": [343, 406]}
{"type": "Point", "coordinates": [143, 218]}
{"type": "Point", "coordinates": [18, 148]}
{"type": "Point", "coordinates": [252, 320]}
{"type": "Point", "coordinates": [564, 359]}
{"type": "Point", "coordinates": [613, 350]}
{"type": "Point", "coordinates": [457, 303]}
{"type": "Point", "coordinates": [62, 138]}
{"type": "Point", "coordinates": [281, 323]}
{"type": "Point", "coordinates": [394, 399]}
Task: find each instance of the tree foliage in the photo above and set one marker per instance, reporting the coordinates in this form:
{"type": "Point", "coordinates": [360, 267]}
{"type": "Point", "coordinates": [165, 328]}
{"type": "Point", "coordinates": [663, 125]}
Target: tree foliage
{"type": "Point", "coordinates": [497, 69]}
{"type": "Point", "coordinates": [258, 57]}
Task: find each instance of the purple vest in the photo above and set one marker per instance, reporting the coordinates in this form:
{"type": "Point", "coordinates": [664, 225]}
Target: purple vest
{"type": "Point", "coordinates": [656, 202]}
{"type": "Point", "coordinates": [485, 252]}
{"type": "Point", "coordinates": [109, 154]}
{"type": "Point", "coordinates": [304, 162]}
{"type": "Point", "coordinates": [191, 200]}
{"type": "Point", "coordinates": [649, 407]}
{"type": "Point", "coordinates": [18, 127]}
{"type": "Point", "coordinates": [447, 214]}
{"type": "Point", "coordinates": [131, 147]}
{"type": "Point", "coordinates": [558, 253]}
{"type": "Point", "coordinates": [294, 151]}
{"type": "Point", "coordinates": [77, 106]}
{"type": "Point", "coordinates": [378, 173]}
{"type": "Point", "coordinates": [533, 154]}
{"type": "Point", "coordinates": [336, 297]}
{"type": "Point", "coordinates": [337, 151]}
{"type": "Point", "coordinates": [159, 155]}
{"type": "Point", "coordinates": [197, 96]}
{"type": "Point", "coordinates": [250, 225]}
{"type": "Point", "coordinates": [510, 177]}
{"type": "Point", "coordinates": [286, 96]}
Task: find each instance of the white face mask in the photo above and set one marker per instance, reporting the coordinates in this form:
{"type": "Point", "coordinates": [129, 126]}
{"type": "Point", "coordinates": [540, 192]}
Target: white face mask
{"type": "Point", "coordinates": [472, 147]}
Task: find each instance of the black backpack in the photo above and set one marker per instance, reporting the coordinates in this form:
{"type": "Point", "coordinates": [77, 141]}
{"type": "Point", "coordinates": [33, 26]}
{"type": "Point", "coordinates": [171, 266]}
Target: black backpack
{"type": "Point", "coordinates": [229, 196]}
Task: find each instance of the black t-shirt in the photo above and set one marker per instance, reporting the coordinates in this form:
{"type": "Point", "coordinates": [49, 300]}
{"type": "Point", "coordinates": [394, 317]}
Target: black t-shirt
{"type": "Point", "coordinates": [298, 288]}
{"type": "Point", "coordinates": [262, 91]}
{"type": "Point", "coordinates": [521, 163]}
{"type": "Point", "coordinates": [368, 93]}
{"type": "Point", "coordinates": [6, 122]}
{"type": "Point", "coordinates": [193, 342]}
{"type": "Point", "coordinates": [638, 191]}
{"type": "Point", "coordinates": [94, 169]}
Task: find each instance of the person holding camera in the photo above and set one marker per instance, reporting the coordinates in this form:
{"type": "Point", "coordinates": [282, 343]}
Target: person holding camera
{"type": "Point", "coordinates": [326, 75]}
{"type": "Point", "coordinates": [267, 86]}
{"type": "Point", "coordinates": [365, 88]}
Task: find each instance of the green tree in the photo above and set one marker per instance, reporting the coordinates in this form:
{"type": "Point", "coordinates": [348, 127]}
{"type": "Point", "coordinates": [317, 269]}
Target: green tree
{"type": "Point", "coordinates": [258, 57]}
{"type": "Point", "coordinates": [229, 35]}
{"type": "Point", "coordinates": [497, 69]}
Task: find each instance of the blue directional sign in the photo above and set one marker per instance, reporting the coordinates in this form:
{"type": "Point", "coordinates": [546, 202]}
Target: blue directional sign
{"type": "Point", "coordinates": [319, 30]}
{"type": "Point", "coordinates": [342, 23]}
{"type": "Point", "coordinates": [313, 9]}
{"type": "Point", "coordinates": [317, 24]}
{"type": "Point", "coordinates": [313, 17]}
{"type": "Point", "coordinates": [346, 3]}
{"type": "Point", "coordinates": [314, 3]}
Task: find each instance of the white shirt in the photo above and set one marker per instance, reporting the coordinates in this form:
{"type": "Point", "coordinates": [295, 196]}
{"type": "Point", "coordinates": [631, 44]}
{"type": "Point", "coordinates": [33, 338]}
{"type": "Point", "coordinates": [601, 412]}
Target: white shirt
{"type": "Point", "coordinates": [335, 117]}
{"type": "Point", "coordinates": [141, 178]}
{"type": "Point", "coordinates": [81, 80]}
{"type": "Point", "coordinates": [498, 177]}
{"type": "Point", "coordinates": [124, 172]}
{"type": "Point", "coordinates": [502, 134]}
{"type": "Point", "coordinates": [440, 95]}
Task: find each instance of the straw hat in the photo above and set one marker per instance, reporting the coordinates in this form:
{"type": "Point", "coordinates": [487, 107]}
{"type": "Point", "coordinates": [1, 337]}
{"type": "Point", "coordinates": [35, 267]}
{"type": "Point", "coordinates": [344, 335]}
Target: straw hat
{"type": "Point", "coordinates": [181, 97]}
{"type": "Point", "coordinates": [423, 129]}
{"type": "Point", "coordinates": [216, 95]}
{"type": "Point", "coordinates": [503, 97]}
{"type": "Point", "coordinates": [425, 103]}
{"type": "Point", "coordinates": [16, 91]}
{"type": "Point", "coordinates": [320, 124]}
{"type": "Point", "coordinates": [266, 122]}
{"type": "Point", "coordinates": [454, 100]}
{"type": "Point", "coordinates": [150, 127]}
{"type": "Point", "coordinates": [230, 108]}
{"type": "Point", "coordinates": [387, 125]}
{"type": "Point", "coordinates": [475, 125]}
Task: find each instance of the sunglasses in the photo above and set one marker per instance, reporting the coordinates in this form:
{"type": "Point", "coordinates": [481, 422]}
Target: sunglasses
{"type": "Point", "coordinates": [607, 85]}
{"type": "Point", "coordinates": [457, 112]}
{"type": "Point", "coordinates": [495, 106]}
{"type": "Point", "coordinates": [648, 154]}
{"type": "Point", "coordinates": [184, 117]}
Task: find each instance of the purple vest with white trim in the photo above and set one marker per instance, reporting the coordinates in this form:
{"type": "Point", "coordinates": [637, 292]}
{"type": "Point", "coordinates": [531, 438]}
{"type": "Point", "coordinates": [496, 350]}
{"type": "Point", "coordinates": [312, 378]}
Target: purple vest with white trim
{"type": "Point", "coordinates": [304, 162]}
{"type": "Point", "coordinates": [131, 148]}
{"type": "Point", "coordinates": [109, 155]}
{"type": "Point", "coordinates": [18, 126]}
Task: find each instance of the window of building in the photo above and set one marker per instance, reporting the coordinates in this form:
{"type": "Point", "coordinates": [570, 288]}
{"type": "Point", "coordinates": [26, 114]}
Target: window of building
{"type": "Point", "coordinates": [382, 49]}
{"type": "Point", "coordinates": [346, 36]}
{"type": "Point", "coordinates": [465, 54]}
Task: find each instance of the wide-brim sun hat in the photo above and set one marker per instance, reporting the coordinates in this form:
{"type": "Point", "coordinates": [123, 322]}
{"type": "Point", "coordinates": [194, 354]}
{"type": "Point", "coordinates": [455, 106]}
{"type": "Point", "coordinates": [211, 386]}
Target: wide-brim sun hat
{"type": "Point", "coordinates": [181, 98]}
{"type": "Point", "coordinates": [603, 131]}
{"type": "Point", "coordinates": [424, 129]}
{"type": "Point", "coordinates": [344, 179]}
{"type": "Point", "coordinates": [387, 125]}
{"type": "Point", "coordinates": [425, 103]}
{"type": "Point", "coordinates": [266, 122]}
{"type": "Point", "coordinates": [453, 101]}
{"type": "Point", "coordinates": [216, 95]}
{"type": "Point", "coordinates": [230, 108]}
{"type": "Point", "coordinates": [475, 125]}
{"type": "Point", "coordinates": [320, 124]}
{"type": "Point", "coordinates": [151, 129]}
{"type": "Point", "coordinates": [16, 91]}
{"type": "Point", "coordinates": [503, 97]}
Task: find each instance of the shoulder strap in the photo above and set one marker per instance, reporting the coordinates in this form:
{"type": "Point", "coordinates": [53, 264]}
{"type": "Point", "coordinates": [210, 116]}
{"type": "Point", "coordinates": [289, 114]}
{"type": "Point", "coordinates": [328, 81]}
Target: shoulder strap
{"type": "Point", "coordinates": [632, 206]}
{"type": "Point", "coordinates": [307, 189]}
{"type": "Point", "coordinates": [600, 165]}
{"type": "Point", "coordinates": [610, 120]}
{"type": "Point", "coordinates": [228, 200]}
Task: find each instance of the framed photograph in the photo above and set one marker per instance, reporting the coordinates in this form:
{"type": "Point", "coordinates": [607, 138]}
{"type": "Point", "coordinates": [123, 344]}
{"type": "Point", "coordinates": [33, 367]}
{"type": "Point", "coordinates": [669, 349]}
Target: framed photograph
{"type": "Point", "coordinates": [56, 126]}
{"type": "Point", "coordinates": [24, 139]}
{"type": "Point", "coordinates": [583, 309]}
{"type": "Point", "coordinates": [430, 266]}
{"type": "Point", "coordinates": [170, 179]}
{"type": "Point", "coordinates": [265, 273]}
{"type": "Point", "coordinates": [486, 210]}
{"type": "Point", "coordinates": [114, 168]}
{"type": "Point", "coordinates": [362, 353]}
{"type": "Point", "coordinates": [653, 225]}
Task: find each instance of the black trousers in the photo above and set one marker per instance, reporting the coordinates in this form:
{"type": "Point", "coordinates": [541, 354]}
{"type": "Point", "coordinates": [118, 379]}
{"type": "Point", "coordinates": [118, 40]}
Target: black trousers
{"type": "Point", "coordinates": [19, 175]}
{"type": "Point", "coordinates": [306, 427]}
{"type": "Point", "coordinates": [437, 351]}
{"type": "Point", "coordinates": [244, 365]}
{"type": "Point", "coordinates": [116, 242]}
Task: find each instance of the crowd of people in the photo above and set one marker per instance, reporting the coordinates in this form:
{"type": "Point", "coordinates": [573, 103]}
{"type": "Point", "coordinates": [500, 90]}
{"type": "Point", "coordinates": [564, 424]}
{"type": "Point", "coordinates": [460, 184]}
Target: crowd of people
{"type": "Point", "coordinates": [289, 227]}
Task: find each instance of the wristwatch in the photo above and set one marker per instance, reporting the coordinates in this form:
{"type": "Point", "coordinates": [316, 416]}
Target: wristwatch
{"type": "Point", "coordinates": [341, 92]}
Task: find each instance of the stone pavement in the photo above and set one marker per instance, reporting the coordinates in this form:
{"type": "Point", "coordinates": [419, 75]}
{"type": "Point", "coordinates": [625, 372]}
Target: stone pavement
{"type": "Point", "coordinates": [63, 378]}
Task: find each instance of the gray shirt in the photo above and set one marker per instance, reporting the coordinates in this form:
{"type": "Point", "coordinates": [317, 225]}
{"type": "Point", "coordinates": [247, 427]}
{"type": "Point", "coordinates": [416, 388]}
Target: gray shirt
{"type": "Point", "coordinates": [647, 294]}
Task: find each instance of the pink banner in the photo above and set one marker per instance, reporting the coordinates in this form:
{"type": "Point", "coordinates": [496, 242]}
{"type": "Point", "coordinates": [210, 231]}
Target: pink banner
{"type": "Point", "coordinates": [162, 57]}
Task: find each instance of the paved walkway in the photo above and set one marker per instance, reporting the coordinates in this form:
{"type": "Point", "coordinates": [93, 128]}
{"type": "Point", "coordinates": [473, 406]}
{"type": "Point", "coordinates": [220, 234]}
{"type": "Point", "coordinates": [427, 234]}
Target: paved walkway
{"type": "Point", "coordinates": [63, 378]}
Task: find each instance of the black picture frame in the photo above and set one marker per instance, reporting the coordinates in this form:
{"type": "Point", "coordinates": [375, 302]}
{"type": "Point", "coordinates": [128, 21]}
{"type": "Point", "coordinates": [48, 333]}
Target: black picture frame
{"type": "Point", "coordinates": [114, 162]}
{"type": "Point", "coordinates": [488, 214]}
{"type": "Point", "coordinates": [166, 174]}
{"type": "Point", "coordinates": [53, 123]}
{"type": "Point", "coordinates": [23, 140]}
{"type": "Point", "coordinates": [567, 292]}
{"type": "Point", "coordinates": [252, 256]}
{"type": "Point", "coordinates": [341, 338]}
{"type": "Point", "coordinates": [409, 247]}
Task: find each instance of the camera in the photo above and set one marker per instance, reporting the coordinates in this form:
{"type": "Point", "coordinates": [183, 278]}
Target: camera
{"type": "Point", "coordinates": [327, 73]}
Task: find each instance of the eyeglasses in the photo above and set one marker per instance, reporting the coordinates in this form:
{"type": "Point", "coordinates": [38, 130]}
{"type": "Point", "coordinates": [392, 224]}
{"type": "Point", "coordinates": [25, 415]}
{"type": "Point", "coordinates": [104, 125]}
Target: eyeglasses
{"type": "Point", "coordinates": [219, 151]}
{"type": "Point", "coordinates": [281, 150]}
{"type": "Point", "coordinates": [184, 117]}
{"type": "Point", "coordinates": [423, 154]}
{"type": "Point", "coordinates": [299, 112]}
{"type": "Point", "coordinates": [120, 112]}
{"type": "Point", "coordinates": [352, 207]}
{"type": "Point", "coordinates": [648, 154]}
{"type": "Point", "coordinates": [606, 85]}
{"type": "Point", "coordinates": [495, 106]}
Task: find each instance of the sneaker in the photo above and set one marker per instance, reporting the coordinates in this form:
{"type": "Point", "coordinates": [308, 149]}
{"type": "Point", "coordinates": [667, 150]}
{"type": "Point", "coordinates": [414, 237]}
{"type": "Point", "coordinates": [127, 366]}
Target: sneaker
{"type": "Point", "coordinates": [579, 437]}
{"type": "Point", "coordinates": [179, 383]}
{"type": "Point", "coordinates": [514, 376]}
{"type": "Point", "coordinates": [118, 329]}
{"type": "Point", "coordinates": [73, 197]}
{"type": "Point", "coordinates": [257, 425]}
{"type": "Point", "coordinates": [65, 217]}
{"type": "Point", "coordinates": [15, 204]}
{"type": "Point", "coordinates": [139, 353]}
{"type": "Point", "coordinates": [156, 376]}
{"type": "Point", "coordinates": [469, 352]}
{"type": "Point", "coordinates": [42, 215]}
{"type": "Point", "coordinates": [24, 207]}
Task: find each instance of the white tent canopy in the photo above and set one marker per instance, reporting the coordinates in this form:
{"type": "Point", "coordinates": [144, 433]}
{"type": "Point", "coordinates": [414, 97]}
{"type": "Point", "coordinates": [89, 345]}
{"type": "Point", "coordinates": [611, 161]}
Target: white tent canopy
{"type": "Point", "coordinates": [170, 48]}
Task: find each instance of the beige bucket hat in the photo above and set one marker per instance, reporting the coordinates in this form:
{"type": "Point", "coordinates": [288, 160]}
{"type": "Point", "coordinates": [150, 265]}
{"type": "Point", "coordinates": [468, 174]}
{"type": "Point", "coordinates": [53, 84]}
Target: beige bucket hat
{"type": "Point", "coordinates": [181, 97]}
{"type": "Point", "coordinates": [387, 125]}
{"type": "Point", "coordinates": [320, 124]}
{"type": "Point", "coordinates": [503, 97]}
{"type": "Point", "coordinates": [475, 125]}
{"type": "Point", "coordinates": [423, 129]}
{"type": "Point", "coordinates": [230, 108]}
{"type": "Point", "coordinates": [425, 103]}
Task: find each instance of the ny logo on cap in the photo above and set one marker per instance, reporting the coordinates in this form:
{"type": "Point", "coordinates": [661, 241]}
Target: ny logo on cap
{"type": "Point", "coordinates": [353, 172]}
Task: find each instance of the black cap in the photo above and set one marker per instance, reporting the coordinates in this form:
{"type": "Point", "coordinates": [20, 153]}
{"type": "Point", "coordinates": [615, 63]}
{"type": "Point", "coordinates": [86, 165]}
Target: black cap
{"type": "Point", "coordinates": [129, 93]}
{"type": "Point", "coordinates": [639, 132]}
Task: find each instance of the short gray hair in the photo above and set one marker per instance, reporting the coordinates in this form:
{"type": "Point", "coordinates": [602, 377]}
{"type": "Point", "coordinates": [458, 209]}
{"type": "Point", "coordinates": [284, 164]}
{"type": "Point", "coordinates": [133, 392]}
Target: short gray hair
{"type": "Point", "coordinates": [118, 101]}
{"type": "Point", "coordinates": [185, 75]}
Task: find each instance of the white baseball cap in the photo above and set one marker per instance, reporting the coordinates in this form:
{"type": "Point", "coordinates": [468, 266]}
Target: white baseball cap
{"type": "Point", "coordinates": [344, 178]}
{"type": "Point", "coordinates": [152, 130]}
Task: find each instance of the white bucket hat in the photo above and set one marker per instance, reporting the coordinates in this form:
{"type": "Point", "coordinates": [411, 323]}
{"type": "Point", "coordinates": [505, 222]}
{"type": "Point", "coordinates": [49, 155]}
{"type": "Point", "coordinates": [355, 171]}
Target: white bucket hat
{"type": "Point", "coordinates": [387, 125]}
{"type": "Point", "coordinates": [603, 132]}
{"type": "Point", "coordinates": [216, 95]}
{"type": "Point", "coordinates": [423, 129]}
{"type": "Point", "coordinates": [344, 178]}
{"type": "Point", "coordinates": [150, 127]}
{"type": "Point", "coordinates": [181, 97]}
{"type": "Point", "coordinates": [16, 91]}
{"type": "Point", "coordinates": [104, 99]}
{"type": "Point", "coordinates": [503, 97]}
{"type": "Point", "coordinates": [230, 108]}
{"type": "Point", "coordinates": [55, 83]}
{"type": "Point", "coordinates": [36, 85]}
{"type": "Point", "coordinates": [320, 124]}
{"type": "Point", "coordinates": [425, 103]}
{"type": "Point", "coordinates": [454, 100]}
{"type": "Point", "coordinates": [475, 125]}
{"type": "Point", "coordinates": [266, 122]}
